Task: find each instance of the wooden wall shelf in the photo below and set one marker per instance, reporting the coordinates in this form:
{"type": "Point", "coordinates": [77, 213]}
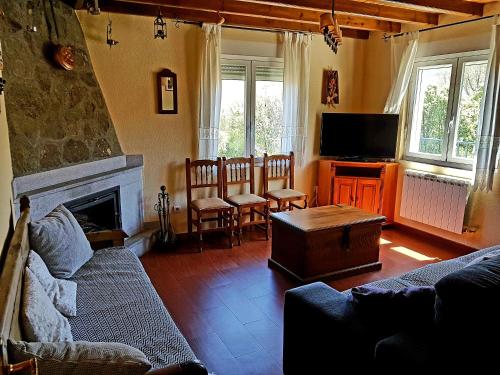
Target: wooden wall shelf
{"type": "Point", "coordinates": [370, 186]}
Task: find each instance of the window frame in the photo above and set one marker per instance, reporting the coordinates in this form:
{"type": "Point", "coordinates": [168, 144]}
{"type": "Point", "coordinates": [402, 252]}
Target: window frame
{"type": "Point", "coordinates": [251, 63]}
{"type": "Point", "coordinates": [457, 62]}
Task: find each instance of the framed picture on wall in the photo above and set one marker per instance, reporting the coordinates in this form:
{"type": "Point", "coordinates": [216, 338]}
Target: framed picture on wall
{"type": "Point", "coordinates": [330, 88]}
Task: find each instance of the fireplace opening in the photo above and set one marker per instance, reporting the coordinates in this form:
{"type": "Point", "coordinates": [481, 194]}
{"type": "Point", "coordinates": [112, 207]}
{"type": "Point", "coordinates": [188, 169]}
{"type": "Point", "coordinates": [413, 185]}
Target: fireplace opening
{"type": "Point", "coordinates": [99, 211]}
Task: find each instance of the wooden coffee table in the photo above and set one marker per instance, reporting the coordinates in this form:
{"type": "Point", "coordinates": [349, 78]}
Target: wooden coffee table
{"type": "Point", "coordinates": [325, 242]}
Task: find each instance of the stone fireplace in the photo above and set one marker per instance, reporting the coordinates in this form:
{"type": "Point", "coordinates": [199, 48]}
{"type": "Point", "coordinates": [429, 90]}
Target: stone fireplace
{"type": "Point", "coordinates": [109, 192]}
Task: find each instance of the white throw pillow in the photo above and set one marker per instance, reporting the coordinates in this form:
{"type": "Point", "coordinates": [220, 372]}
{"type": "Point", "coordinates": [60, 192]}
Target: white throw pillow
{"type": "Point", "coordinates": [41, 320]}
{"type": "Point", "coordinates": [61, 292]}
{"type": "Point", "coordinates": [60, 241]}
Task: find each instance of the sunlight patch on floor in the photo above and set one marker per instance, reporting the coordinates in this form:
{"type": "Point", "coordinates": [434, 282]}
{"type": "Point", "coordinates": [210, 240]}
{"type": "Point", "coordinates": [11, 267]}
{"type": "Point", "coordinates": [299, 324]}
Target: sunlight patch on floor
{"type": "Point", "coordinates": [384, 242]}
{"type": "Point", "coordinates": [412, 253]}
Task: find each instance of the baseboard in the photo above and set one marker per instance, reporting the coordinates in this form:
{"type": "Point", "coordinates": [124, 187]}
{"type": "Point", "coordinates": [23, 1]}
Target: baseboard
{"type": "Point", "coordinates": [465, 249]}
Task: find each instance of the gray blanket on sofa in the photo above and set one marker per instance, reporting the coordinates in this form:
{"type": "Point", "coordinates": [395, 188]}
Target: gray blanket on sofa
{"type": "Point", "coordinates": [431, 273]}
{"type": "Point", "coordinates": [117, 302]}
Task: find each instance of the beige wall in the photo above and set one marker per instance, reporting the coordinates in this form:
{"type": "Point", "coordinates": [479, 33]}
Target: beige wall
{"type": "Point", "coordinates": [126, 74]}
{"type": "Point", "coordinates": [484, 210]}
{"type": "Point", "coordinates": [5, 177]}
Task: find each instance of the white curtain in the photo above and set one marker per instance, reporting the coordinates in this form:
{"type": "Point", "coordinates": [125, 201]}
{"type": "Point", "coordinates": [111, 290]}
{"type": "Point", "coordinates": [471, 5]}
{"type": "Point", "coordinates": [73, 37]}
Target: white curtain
{"type": "Point", "coordinates": [403, 51]}
{"type": "Point", "coordinates": [210, 92]}
{"type": "Point", "coordinates": [297, 56]}
{"type": "Point", "coordinates": [488, 141]}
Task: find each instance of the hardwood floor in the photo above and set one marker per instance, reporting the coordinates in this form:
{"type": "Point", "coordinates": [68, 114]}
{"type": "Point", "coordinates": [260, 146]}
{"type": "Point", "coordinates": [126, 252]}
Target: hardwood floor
{"type": "Point", "coordinates": [229, 304]}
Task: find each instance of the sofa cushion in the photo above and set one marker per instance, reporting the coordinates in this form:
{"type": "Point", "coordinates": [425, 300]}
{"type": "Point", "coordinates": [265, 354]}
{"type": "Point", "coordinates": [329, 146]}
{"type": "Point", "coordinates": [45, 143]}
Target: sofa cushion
{"type": "Point", "coordinates": [209, 204]}
{"type": "Point", "coordinates": [61, 292]}
{"type": "Point", "coordinates": [407, 350]}
{"type": "Point", "coordinates": [395, 310]}
{"type": "Point", "coordinates": [60, 241]}
{"type": "Point", "coordinates": [40, 319]}
{"type": "Point", "coordinates": [116, 302]}
{"type": "Point", "coordinates": [242, 199]}
{"type": "Point", "coordinates": [469, 296]}
{"type": "Point", "coordinates": [81, 357]}
{"type": "Point", "coordinates": [285, 194]}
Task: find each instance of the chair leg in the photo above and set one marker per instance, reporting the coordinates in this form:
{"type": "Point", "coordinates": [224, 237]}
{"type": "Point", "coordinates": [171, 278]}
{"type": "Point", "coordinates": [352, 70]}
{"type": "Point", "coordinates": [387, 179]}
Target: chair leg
{"type": "Point", "coordinates": [290, 206]}
{"type": "Point", "coordinates": [231, 227]}
{"type": "Point", "coordinates": [200, 233]}
{"type": "Point", "coordinates": [252, 217]}
{"type": "Point", "coordinates": [305, 202]}
{"type": "Point", "coordinates": [267, 210]}
{"type": "Point", "coordinates": [279, 205]}
{"type": "Point", "coordinates": [190, 220]}
{"type": "Point", "coordinates": [240, 225]}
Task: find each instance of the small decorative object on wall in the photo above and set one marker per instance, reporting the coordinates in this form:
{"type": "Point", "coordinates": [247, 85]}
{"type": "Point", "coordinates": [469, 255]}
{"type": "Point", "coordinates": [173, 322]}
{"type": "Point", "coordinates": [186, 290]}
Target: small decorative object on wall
{"type": "Point", "coordinates": [167, 92]}
{"type": "Point", "coordinates": [167, 235]}
{"type": "Point", "coordinates": [160, 26]}
{"type": "Point", "coordinates": [93, 7]}
{"type": "Point", "coordinates": [2, 81]}
{"type": "Point", "coordinates": [330, 91]}
{"type": "Point", "coordinates": [331, 29]}
{"type": "Point", "coordinates": [31, 27]}
{"type": "Point", "coordinates": [64, 57]}
{"type": "Point", "coordinates": [109, 35]}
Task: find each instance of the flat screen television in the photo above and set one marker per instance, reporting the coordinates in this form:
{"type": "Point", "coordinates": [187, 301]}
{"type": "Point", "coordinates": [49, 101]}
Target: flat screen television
{"type": "Point", "coordinates": [359, 136]}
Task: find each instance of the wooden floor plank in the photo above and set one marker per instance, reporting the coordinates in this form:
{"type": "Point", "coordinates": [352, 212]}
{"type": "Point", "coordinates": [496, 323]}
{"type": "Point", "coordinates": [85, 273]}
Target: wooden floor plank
{"type": "Point", "coordinates": [229, 304]}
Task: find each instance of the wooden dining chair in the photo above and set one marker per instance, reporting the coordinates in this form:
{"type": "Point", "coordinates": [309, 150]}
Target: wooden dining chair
{"type": "Point", "coordinates": [281, 167]}
{"type": "Point", "coordinates": [204, 174]}
{"type": "Point", "coordinates": [241, 171]}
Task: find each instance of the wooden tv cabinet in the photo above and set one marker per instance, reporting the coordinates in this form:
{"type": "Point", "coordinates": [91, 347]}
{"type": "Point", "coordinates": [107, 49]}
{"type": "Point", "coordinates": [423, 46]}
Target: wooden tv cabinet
{"type": "Point", "coordinates": [369, 186]}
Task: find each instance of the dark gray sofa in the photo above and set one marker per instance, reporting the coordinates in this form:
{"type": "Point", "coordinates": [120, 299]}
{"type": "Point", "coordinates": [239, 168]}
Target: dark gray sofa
{"type": "Point", "coordinates": [323, 332]}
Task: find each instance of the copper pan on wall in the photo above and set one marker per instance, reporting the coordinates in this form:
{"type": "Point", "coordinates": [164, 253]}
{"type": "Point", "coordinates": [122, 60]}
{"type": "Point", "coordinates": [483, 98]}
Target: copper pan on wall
{"type": "Point", "coordinates": [64, 57]}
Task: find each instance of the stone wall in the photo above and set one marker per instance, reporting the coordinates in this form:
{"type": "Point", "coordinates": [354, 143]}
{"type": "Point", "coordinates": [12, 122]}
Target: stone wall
{"type": "Point", "coordinates": [56, 117]}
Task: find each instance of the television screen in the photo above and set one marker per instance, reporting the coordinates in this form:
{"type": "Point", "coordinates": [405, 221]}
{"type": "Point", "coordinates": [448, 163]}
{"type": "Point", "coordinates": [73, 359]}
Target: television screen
{"type": "Point", "coordinates": [359, 136]}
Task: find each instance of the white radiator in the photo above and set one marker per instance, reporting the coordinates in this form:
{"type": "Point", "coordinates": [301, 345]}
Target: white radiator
{"type": "Point", "coordinates": [435, 200]}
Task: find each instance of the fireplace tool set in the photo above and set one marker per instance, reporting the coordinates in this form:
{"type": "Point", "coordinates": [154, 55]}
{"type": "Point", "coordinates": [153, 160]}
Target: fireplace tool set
{"type": "Point", "coordinates": [167, 237]}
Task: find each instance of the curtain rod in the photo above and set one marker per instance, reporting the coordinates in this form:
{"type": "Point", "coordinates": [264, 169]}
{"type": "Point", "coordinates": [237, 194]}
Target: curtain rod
{"type": "Point", "coordinates": [386, 37]}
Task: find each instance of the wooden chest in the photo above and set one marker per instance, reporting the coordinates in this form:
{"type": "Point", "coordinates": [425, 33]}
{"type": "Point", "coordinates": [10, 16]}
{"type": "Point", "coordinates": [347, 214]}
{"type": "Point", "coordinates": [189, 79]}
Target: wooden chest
{"type": "Point", "coordinates": [325, 242]}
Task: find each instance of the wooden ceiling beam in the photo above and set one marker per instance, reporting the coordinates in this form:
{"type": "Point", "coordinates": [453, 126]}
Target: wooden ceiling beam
{"type": "Point", "coordinates": [191, 15]}
{"type": "Point", "coordinates": [387, 13]}
{"type": "Point", "coordinates": [456, 7]}
{"type": "Point", "coordinates": [243, 8]}
{"type": "Point", "coordinates": [361, 8]}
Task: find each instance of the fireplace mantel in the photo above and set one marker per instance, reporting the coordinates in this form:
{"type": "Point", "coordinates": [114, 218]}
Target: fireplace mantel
{"type": "Point", "coordinates": [47, 190]}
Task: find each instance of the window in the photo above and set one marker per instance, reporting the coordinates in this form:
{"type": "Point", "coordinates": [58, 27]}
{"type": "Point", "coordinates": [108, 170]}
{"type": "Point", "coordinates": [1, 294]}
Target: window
{"type": "Point", "coordinates": [446, 97]}
{"type": "Point", "coordinates": [251, 119]}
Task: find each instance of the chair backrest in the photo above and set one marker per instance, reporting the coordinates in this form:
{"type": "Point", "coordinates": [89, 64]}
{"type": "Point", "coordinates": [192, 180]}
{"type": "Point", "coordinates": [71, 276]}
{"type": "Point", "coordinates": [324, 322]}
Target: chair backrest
{"type": "Point", "coordinates": [238, 171]}
{"type": "Point", "coordinates": [203, 174]}
{"type": "Point", "coordinates": [278, 167]}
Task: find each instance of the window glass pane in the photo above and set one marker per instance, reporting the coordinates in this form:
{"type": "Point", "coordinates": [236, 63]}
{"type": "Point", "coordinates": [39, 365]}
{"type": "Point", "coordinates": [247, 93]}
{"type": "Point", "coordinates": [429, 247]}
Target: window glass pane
{"type": "Point", "coordinates": [232, 119]}
{"type": "Point", "coordinates": [430, 109]}
{"type": "Point", "coordinates": [268, 109]}
{"type": "Point", "coordinates": [469, 106]}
